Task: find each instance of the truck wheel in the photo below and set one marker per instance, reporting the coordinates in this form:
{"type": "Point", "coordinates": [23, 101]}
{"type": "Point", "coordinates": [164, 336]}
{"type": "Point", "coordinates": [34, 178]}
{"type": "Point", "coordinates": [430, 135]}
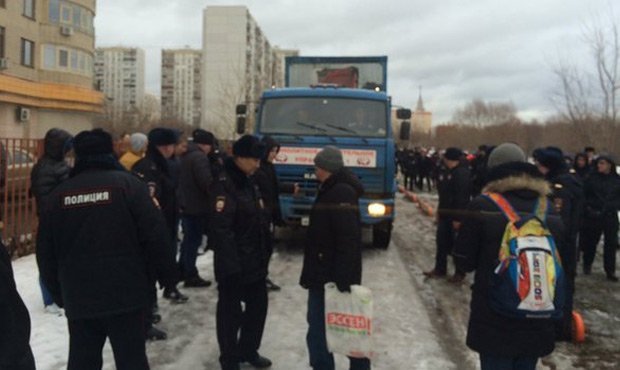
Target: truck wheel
{"type": "Point", "coordinates": [381, 234]}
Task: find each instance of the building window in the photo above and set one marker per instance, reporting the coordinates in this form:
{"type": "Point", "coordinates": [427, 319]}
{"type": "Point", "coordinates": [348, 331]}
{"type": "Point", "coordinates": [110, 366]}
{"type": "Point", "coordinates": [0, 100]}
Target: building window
{"type": "Point", "coordinates": [29, 8]}
{"type": "Point", "coordinates": [63, 58]}
{"type": "Point", "coordinates": [2, 41]}
{"type": "Point", "coordinates": [49, 57]}
{"type": "Point", "coordinates": [27, 53]}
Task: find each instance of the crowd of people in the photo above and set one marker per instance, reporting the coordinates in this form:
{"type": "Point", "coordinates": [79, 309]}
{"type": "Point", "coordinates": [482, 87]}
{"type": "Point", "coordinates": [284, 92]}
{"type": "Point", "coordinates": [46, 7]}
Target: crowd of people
{"type": "Point", "coordinates": [108, 237]}
{"type": "Point", "coordinates": [479, 195]}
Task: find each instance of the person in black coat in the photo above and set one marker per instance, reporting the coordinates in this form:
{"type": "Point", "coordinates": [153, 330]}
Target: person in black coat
{"type": "Point", "coordinates": [503, 342]}
{"type": "Point", "coordinates": [602, 202]}
{"type": "Point", "coordinates": [270, 189]}
{"type": "Point", "coordinates": [567, 198]}
{"type": "Point", "coordinates": [15, 352]}
{"type": "Point", "coordinates": [154, 169]}
{"type": "Point", "coordinates": [453, 187]}
{"type": "Point", "coordinates": [193, 194]}
{"type": "Point", "coordinates": [47, 173]}
{"type": "Point", "coordinates": [333, 249]}
{"type": "Point", "coordinates": [238, 229]}
{"type": "Point", "coordinates": [98, 233]}
{"type": "Point", "coordinates": [581, 167]}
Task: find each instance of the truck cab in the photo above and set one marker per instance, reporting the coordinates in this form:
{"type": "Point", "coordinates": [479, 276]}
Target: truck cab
{"type": "Point", "coordinates": [356, 120]}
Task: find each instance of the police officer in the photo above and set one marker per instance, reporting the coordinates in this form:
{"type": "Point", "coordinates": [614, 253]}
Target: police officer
{"type": "Point", "coordinates": [567, 199]}
{"type": "Point", "coordinates": [238, 223]}
{"type": "Point", "coordinates": [602, 203]}
{"type": "Point", "coordinates": [270, 189]}
{"type": "Point", "coordinates": [453, 188]}
{"type": "Point", "coordinates": [98, 232]}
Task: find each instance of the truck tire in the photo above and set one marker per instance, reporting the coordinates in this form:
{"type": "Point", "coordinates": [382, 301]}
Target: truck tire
{"type": "Point", "coordinates": [381, 234]}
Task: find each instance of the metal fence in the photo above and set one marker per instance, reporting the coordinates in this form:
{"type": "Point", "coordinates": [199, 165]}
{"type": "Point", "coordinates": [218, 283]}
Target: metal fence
{"type": "Point", "coordinates": [18, 219]}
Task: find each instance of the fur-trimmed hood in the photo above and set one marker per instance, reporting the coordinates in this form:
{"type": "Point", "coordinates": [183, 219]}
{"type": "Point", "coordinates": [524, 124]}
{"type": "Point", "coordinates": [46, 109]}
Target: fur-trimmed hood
{"type": "Point", "coordinates": [516, 176]}
{"type": "Point", "coordinates": [518, 182]}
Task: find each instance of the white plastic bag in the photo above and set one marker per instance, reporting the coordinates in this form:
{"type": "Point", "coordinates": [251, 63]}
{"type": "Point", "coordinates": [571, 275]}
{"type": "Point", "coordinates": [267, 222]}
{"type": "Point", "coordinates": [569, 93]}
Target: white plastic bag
{"type": "Point", "coordinates": [348, 321]}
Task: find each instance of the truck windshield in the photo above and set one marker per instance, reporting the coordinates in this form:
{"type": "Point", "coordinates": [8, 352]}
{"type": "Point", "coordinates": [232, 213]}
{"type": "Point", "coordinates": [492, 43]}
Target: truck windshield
{"type": "Point", "coordinates": [324, 116]}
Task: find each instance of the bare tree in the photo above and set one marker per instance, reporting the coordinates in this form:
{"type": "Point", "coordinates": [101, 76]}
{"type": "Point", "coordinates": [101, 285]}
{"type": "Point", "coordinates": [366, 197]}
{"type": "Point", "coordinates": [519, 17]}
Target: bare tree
{"type": "Point", "coordinates": [583, 96]}
{"type": "Point", "coordinates": [477, 113]}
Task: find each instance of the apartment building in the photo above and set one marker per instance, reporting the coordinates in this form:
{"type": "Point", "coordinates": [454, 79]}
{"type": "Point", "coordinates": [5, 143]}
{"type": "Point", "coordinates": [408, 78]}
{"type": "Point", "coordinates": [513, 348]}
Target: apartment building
{"type": "Point", "coordinates": [237, 66]}
{"type": "Point", "coordinates": [119, 74]}
{"type": "Point", "coordinates": [279, 64]}
{"type": "Point", "coordinates": [46, 67]}
{"type": "Point", "coordinates": [181, 85]}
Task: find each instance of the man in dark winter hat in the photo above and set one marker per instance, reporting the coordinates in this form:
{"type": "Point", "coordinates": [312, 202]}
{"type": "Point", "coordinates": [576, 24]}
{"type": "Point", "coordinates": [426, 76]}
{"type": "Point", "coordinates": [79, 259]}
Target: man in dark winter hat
{"type": "Point", "coordinates": [333, 250]}
{"type": "Point", "coordinates": [98, 232]}
{"type": "Point", "coordinates": [270, 189]}
{"type": "Point", "coordinates": [195, 180]}
{"type": "Point", "coordinates": [47, 173]}
{"type": "Point", "coordinates": [239, 229]}
{"type": "Point", "coordinates": [568, 201]}
{"type": "Point", "coordinates": [602, 203]}
{"type": "Point", "coordinates": [453, 187]}
{"type": "Point", "coordinates": [155, 170]}
{"type": "Point", "coordinates": [502, 342]}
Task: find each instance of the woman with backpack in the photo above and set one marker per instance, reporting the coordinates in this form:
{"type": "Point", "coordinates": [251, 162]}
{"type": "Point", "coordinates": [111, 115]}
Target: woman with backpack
{"type": "Point", "coordinates": [514, 188]}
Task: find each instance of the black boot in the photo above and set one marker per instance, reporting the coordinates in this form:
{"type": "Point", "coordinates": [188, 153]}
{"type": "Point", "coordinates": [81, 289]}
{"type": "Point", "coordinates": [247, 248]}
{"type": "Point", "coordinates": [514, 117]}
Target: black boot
{"type": "Point", "coordinates": [153, 333]}
{"type": "Point", "coordinates": [259, 362]}
{"type": "Point", "coordinates": [174, 296]}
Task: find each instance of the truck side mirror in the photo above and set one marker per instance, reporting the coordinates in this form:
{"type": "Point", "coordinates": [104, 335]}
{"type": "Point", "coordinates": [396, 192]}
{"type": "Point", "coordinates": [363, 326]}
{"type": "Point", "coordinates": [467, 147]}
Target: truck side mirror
{"type": "Point", "coordinates": [403, 113]}
{"type": "Point", "coordinates": [241, 109]}
{"type": "Point", "coordinates": [405, 130]}
{"type": "Point", "coordinates": [241, 125]}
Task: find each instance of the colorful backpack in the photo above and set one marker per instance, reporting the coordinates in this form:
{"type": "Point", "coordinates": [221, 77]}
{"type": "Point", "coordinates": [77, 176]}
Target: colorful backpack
{"type": "Point", "coordinates": [528, 281]}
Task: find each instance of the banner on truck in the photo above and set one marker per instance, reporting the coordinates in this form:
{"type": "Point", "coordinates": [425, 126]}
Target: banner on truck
{"type": "Point", "coordinates": [305, 156]}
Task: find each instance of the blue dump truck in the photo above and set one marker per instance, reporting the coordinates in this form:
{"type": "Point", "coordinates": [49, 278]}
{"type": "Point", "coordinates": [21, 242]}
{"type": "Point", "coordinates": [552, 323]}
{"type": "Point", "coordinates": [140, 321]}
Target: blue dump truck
{"type": "Point", "coordinates": [340, 101]}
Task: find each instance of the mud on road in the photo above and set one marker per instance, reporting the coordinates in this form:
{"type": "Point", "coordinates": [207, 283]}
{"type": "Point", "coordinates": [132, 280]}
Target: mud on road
{"type": "Point", "coordinates": [596, 299]}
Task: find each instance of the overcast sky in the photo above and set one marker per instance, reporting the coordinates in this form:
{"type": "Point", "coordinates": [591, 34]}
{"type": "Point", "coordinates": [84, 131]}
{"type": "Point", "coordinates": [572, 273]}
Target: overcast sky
{"type": "Point", "coordinates": [457, 50]}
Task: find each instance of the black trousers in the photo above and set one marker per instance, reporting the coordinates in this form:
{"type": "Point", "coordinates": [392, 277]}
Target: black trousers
{"type": "Point", "coordinates": [126, 333]}
{"type": "Point", "coordinates": [444, 237]}
{"type": "Point", "coordinates": [240, 331]}
{"type": "Point", "coordinates": [591, 233]}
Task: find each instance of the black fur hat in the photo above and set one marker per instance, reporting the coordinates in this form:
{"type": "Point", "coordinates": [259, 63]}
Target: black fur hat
{"type": "Point", "coordinates": [92, 143]}
{"type": "Point", "coordinates": [163, 136]}
{"type": "Point", "coordinates": [248, 146]}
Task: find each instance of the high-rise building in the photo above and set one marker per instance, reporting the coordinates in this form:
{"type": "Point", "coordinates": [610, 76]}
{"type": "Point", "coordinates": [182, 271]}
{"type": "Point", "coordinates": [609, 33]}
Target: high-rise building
{"type": "Point", "coordinates": [46, 67]}
{"type": "Point", "coordinates": [237, 66]}
{"type": "Point", "coordinates": [119, 74]}
{"type": "Point", "coordinates": [279, 64]}
{"type": "Point", "coordinates": [181, 85]}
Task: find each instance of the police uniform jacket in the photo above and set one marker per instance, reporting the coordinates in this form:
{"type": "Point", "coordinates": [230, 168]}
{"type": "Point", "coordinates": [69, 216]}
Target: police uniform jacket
{"type": "Point", "coordinates": [195, 180]}
{"type": "Point", "coordinates": [270, 189]}
{"type": "Point", "coordinates": [155, 171]}
{"type": "Point", "coordinates": [602, 194]}
{"type": "Point", "coordinates": [97, 236]}
{"type": "Point", "coordinates": [238, 226]}
{"type": "Point", "coordinates": [453, 187]}
{"type": "Point", "coordinates": [477, 248]}
{"type": "Point", "coordinates": [14, 318]}
{"type": "Point", "coordinates": [333, 243]}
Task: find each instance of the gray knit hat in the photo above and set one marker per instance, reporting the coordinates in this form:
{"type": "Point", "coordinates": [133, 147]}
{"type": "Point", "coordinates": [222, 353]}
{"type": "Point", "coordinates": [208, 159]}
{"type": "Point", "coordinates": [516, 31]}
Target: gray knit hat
{"type": "Point", "coordinates": [138, 141]}
{"type": "Point", "coordinates": [505, 153]}
{"type": "Point", "coordinates": [329, 159]}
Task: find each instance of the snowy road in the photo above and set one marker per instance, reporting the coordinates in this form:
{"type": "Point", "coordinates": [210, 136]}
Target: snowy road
{"type": "Point", "coordinates": [419, 323]}
{"type": "Point", "coordinates": [405, 337]}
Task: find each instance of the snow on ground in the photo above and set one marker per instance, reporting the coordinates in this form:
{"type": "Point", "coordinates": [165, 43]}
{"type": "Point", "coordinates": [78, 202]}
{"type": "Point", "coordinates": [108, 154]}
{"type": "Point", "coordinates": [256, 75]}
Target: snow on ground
{"type": "Point", "coordinates": [404, 335]}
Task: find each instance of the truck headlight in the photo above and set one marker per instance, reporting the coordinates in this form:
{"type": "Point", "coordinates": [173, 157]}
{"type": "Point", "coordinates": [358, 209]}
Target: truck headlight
{"type": "Point", "coordinates": [376, 209]}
